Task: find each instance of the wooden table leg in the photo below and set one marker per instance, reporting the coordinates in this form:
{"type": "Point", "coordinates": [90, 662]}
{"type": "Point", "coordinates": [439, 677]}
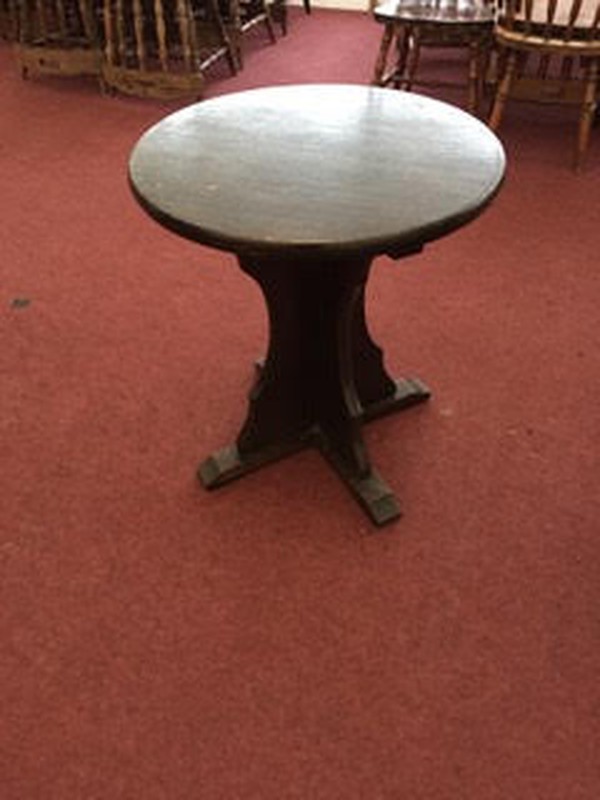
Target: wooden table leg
{"type": "Point", "coordinates": [322, 378]}
{"type": "Point", "coordinates": [477, 74]}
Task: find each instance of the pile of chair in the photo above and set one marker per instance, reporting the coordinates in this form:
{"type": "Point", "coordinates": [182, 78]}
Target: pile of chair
{"type": "Point", "coordinates": [537, 50]}
{"type": "Point", "coordinates": [158, 48]}
{"type": "Point", "coordinates": [7, 20]}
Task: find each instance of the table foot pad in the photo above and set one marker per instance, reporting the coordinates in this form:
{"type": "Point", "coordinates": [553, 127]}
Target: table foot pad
{"type": "Point", "coordinates": [409, 392]}
{"type": "Point", "coordinates": [369, 489]}
{"type": "Point", "coordinates": [228, 464]}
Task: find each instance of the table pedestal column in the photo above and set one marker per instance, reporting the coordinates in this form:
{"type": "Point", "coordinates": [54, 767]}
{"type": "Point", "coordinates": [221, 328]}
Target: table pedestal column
{"type": "Point", "coordinates": [323, 376]}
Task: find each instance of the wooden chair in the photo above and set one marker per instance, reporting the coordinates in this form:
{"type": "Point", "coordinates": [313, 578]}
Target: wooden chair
{"type": "Point", "coordinates": [411, 25]}
{"type": "Point", "coordinates": [162, 48]}
{"type": "Point", "coordinates": [278, 9]}
{"type": "Point", "coordinates": [57, 37]}
{"type": "Point", "coordinates": [550, 53]}
{"type": "Point", "coordinates": [8, 20]}
{"type": "Point", "coordinates": [245, 15]}
{"type": "Point", "coordinates": [279, 15]}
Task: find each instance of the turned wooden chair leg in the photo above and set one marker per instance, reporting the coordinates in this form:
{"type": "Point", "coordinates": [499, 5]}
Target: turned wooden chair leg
{"type": "Point", "coordinates": [403, 37]}
{"type": "Point", "coordinates": [269, 23]}
{"type": "Point", "coordinates": [502, 92]}
{"type": "Point", "coordinates": [474, 78]}
{"type": "Point", "coordinates": [588, 110]}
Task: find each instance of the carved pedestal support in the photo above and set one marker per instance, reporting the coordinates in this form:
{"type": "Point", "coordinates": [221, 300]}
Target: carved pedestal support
{"type": "Point", "coordinates": [322, 378]}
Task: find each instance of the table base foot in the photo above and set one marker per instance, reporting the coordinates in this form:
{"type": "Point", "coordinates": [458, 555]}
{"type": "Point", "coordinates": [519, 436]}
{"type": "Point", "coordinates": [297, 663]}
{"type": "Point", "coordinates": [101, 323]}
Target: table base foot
{"type": "Point", "coordinates": [228, 464]}
{"type": "Point", "coordinates": [370, 490]}
{"type": "Point", "coordinates": [409, 392]}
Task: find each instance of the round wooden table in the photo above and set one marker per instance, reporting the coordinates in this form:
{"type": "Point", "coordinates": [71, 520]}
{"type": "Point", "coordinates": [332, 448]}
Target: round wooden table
{"type": "Point", "coordinates": [306, 185]}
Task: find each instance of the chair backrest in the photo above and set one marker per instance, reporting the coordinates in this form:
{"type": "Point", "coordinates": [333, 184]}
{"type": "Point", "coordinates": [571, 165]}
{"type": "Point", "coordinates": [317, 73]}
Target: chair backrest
{"type": "Point", "coordinates": [567, 20]}
{"type": "Point", "coordinates": [147, 35]}
{"type": "Point", "coordinates": [8, 19]}
{"type": "Point", "coordinates": [160, 48]}
{"type": "Point", "coordinates": [57, 37]}
{"type": "Point", "coordinates": [62, 21]}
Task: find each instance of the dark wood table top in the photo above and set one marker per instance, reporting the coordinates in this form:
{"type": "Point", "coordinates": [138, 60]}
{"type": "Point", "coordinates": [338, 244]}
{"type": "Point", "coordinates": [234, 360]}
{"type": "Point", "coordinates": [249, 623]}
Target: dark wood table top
{"type": "Point", "coordinates": [315, 167]}
{"type": "Point", "coordinates": [443, 12]}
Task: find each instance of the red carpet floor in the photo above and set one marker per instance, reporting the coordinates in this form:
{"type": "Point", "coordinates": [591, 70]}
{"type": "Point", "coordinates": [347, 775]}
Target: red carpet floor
{"type": "Point", "coordinates": [158, 642]}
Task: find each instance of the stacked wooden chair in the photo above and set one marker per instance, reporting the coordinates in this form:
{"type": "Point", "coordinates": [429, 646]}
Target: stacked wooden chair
{"type": "Point", "coordinates": [57, 37]}
{"type": "Point", "coordinates": [245, 15]}
{"type": "Point", "coordinates": [8, 20]}
{"type": "Point", "coordinates": [148, 48]}
{"type": "Point", "coordinates": [550, 53]}
{"type": "Point", "coordinates": [154, 48]}
{"type": "Point", "coordinates": [162, 48]}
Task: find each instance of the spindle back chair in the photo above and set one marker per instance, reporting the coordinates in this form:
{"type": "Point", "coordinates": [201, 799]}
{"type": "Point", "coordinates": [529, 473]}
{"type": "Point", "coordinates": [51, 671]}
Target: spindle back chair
{"type": "Point", "coordinates": [161, 48]}
{"type": "Point", "coordinates": [550, 53]}
{"type": "Point", "coordinates": [8, 20]}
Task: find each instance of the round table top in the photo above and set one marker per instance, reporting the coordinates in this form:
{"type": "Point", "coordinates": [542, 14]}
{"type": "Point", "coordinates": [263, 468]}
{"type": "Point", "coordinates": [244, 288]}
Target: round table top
{"type": "Point", "coordinates": [319, 166]}
{"type": "Point", "coordinates": [457, 13]}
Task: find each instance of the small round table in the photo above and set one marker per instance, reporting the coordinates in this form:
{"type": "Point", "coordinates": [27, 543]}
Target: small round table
{"type": "Point", "coordinates": [409, 25]}
{"type": "Point", "coordinates": [306, 185]}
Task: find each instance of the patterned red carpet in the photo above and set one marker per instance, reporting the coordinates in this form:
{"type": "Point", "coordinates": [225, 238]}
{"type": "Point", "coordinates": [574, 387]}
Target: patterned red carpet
{"type": "Point", "coordinates": [260, 642]}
